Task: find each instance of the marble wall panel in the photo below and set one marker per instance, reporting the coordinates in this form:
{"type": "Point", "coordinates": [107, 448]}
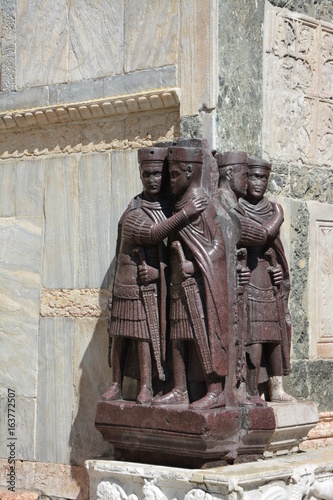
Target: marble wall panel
{"type": "Point", "coordinates": [94, 207]}
{"type": "Point", "coordinates": [95, 38]}
{"type": "Point", "coordinates": [41, 42]}
{"type": "Point", "coordinates": [24, 429]}
{"type": "Point", "coordinates": [321, 280]}
{"type": "Point", "coordinates": [60, 222]}
{"type": "Point", "coordinates": [92, 377]}
{"type": "Point", "coordinates": [54, 392]}
{"type": "Point", "coordinates": [29, 187]}
{"type": "Point", "coordinates": [8, 194]}
{"type": "Point", "coordinates": [125, 183]}
{"type": "Point", "coordinates": [20, 282]}
{"type": "Point", "coordinates": [151, 34]}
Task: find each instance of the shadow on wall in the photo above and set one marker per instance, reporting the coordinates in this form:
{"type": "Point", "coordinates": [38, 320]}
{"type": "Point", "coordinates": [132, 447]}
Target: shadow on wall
{"type": "Point", "coordinates": [92, 377]}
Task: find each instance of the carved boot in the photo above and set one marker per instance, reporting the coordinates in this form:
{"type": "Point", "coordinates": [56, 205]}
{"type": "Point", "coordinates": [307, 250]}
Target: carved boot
{"type": "Point", "coordinates": [145, 395]}
{"type": "Point", "coordinates": [113, 393]}
{"type": "Point", "coordinates": [174, 397]}
{"type": "Point", "coordinates": [276, 391]}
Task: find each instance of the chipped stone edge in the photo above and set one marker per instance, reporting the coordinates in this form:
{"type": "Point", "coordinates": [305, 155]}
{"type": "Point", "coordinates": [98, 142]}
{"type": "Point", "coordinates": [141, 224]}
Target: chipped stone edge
{"type": "Point", "coordinates": [88, 110]}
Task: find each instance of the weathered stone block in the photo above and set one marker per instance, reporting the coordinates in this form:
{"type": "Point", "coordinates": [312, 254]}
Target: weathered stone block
{"type": "Point", "coordinates": [19, 291]}
{"type": "Point", "coordinates": [55, 383]}
{"type": "Point", "coordinates": [53, 480]}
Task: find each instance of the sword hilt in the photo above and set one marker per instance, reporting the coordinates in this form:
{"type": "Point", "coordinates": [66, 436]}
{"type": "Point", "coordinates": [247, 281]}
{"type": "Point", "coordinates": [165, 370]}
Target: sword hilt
{"type": "Point", "coordinates": [177, 247]}
{"type": "Point", "coordinates": [140, 252]}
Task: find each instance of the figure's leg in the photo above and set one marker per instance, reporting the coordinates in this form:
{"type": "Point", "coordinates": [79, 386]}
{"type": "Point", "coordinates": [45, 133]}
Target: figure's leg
{"type": "Point", "coordinates": [178, 395]}
{"type": "Point", "coordinates": [146, 392]}
{"type": "Point", "coordinates": [274, 364]}
{"type": "Point", "coordinates": [253, 355]}
{"type": "Point", "coordinates": [117, 357]}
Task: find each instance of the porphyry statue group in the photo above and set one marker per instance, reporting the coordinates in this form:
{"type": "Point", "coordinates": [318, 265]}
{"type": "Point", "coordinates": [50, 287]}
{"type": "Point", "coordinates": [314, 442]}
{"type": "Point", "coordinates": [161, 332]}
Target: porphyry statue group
{"type": "Point", "coordinates": [199, 311]}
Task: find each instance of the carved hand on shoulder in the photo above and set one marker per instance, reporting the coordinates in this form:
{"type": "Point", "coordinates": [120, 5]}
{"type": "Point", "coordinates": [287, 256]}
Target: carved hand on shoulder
{"type": "Point", "coordinates": [148, 274]}
{"type": "Point", "coordinates": [194, 207]}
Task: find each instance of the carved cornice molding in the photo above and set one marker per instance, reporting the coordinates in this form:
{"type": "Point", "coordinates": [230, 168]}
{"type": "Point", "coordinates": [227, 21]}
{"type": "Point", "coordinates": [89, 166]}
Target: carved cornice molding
{"type": "Point", "coordinates": [89, 110]}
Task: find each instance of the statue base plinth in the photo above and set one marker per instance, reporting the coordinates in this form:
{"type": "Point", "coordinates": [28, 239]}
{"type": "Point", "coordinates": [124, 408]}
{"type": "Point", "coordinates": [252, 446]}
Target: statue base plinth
{"type": "Point", "coordinates": [180, 436]}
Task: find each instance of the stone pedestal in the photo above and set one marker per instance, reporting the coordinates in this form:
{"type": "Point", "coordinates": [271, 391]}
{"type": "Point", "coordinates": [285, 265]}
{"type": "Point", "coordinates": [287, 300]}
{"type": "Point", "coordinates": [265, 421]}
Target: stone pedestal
{"type": "Point", "coordinates": [182, 437]}
{"type": "Point", "coordinates": [294, 420]}
{"type": "Point", "coordinates": [297, 476]}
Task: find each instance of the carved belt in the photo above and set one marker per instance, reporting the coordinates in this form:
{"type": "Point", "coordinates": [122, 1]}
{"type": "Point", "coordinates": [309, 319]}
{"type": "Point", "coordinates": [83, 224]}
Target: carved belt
{"type": "Point", "coordinates": [260, 294]}
{"type": "Point", "coordinates": [126, 291]}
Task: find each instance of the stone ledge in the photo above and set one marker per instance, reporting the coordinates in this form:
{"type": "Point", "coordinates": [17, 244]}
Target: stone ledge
{"type": "Point", "coordinates": [88, 110]}
{"type": "Point", "coordinates": [293, 476]}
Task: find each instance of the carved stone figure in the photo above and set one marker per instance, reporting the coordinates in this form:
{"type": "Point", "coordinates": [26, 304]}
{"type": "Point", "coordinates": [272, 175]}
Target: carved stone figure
{"type": "Point", "coordinates": [139, 292]}
{"type": "Point", "coordinates": [198, 288]}
{"type": "Point", "coordinates": [233, 172]}
{"type": "Point", "coordinates": [269, 334]}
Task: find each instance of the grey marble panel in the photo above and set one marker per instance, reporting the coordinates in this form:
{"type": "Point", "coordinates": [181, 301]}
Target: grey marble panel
{"type": "Point", "coordinates": [24, 99]}
{"type": "Point", "coordinates": [92, 377]}
{"type": "Point", "coordinates": [20, 262]}
{"type": "Point", "coordinates": [95, 38]}
{"type": "Point", "coordinates": [85, 90]}
{"type": "Point", "coordinates": [60, 222]}
{"type": "Point", "coordinates": [155, 78]}
{"type": "Point", "coordinates": [42, 42]}
{"type": "Point", "coordinates": [30, 187]}
{"type": "Point", "coordinates": [22, 427]}
{"type": "Point", "coordinates": [125, 183]}
{"type": "Point", "coordinates": [94, 220]}
{"type": "Point", "coordinates": [54, 393]}
{"type": "Point", "coordinates": [7, 184]}
{"type": "Point", "coordinates": [151, 34]}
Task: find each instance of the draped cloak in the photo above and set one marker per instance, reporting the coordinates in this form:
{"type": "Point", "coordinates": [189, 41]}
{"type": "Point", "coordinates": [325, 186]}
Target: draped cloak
{"type": "Point", "coordinates": [203, 239]}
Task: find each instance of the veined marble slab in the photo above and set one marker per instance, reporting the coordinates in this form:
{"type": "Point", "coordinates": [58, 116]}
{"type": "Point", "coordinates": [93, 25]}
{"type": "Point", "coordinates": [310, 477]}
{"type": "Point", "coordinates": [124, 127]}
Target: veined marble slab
{"type": "Point", "coordinates": [54, 393]}
{"type": "Point", "coordinates": [92, 377]}
{"type": "Point", "coordinates": [61, 222]}
{"type": "Point", "coordinates": [93, 220]}
{"type": "Point", "coordinates": [20, 283]}
{"type": "Point", "coordinates": [149, 25]}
